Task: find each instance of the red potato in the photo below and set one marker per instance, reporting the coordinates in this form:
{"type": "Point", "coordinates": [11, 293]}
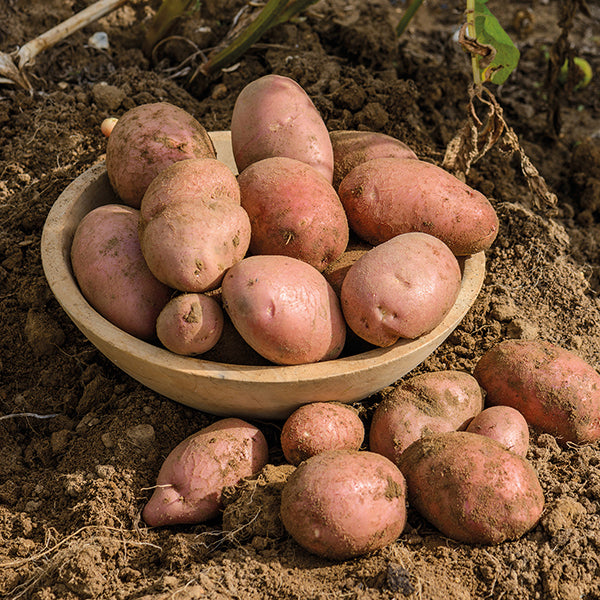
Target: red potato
{"type": "Point", "coordinates": [190, 324]}
{"type": "Point", "coordinates": [422, 405]}
{"type": "Point", "coordinates": [274, 116]}
{"type": "Point", "coordinates": [402, 288]}
{"type": "Point", "coordinates": [505, 425]}
{"type": "Point", "coordinates": [294, 211]}
{"type": "Point", "coordinates": [284, 309]}
{"type": "Point", "coordinates": [191, 480]}
{"type": "Point", "coordinates": [471, 488]}
{"type": "Point", "coordinates": [554, 389]}
{"type": "Point", "coordinates": [344, 503]}
{"type": "Point", "coordinates": [192, 227]}
{"type": "Point", "coordinates": [145, 140]}
{"type": "Point", "coordinates": [385, 197]}
{"type": "Point", "coordinates": [111, 271]}
{"type": "Point", "coordinates": [352, 148]}
{"type": "Point", "coordinates": [318, 427]}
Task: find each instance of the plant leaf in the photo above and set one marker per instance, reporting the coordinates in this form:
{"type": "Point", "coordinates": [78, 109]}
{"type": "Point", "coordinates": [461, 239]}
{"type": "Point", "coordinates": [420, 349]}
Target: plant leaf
{"type": "Point", "coordinates": [489, 32]}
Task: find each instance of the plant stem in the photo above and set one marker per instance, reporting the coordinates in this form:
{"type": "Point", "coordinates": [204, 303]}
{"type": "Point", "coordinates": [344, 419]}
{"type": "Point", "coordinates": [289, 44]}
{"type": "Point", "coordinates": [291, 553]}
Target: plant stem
{"type": "Point", "coordinates": [164, 19]}
{"type": "Point", "coordinates": [472, 33]}
{"type": "Point", "coordinates": [292, 9]}
{"type": "Point", "coordinates": [409, 13]}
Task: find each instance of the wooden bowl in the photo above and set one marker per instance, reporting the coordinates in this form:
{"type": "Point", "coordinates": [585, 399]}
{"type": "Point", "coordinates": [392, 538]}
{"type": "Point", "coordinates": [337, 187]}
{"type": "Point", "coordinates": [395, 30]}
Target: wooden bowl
{"type": "Point", "coordinates": [262, 392]}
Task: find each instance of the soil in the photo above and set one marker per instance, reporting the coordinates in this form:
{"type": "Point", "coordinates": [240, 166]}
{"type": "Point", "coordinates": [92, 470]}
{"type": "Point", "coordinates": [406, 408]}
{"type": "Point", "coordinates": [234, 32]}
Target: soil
{"type": "Point", "coordinates": [72, 485]}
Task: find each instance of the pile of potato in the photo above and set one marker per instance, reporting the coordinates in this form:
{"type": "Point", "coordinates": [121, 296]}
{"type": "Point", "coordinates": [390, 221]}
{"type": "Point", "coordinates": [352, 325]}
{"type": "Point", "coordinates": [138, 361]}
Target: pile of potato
{"type": "Point", "coordinates": [193, 244]}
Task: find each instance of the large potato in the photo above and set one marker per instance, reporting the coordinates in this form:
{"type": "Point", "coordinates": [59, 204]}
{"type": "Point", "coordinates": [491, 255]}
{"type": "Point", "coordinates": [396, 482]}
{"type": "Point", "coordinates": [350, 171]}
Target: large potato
{"type": "Point", "coordinates": [191, 480]}
{"type": "Point", "coordinates": [471, 488]}
{"type": "Point", "coordinates": [344, 503]}
{"type": "Point", "coordinates": [318, 427]}
{"type": "Point", "coordinates": [554, 389]}
{"type": "Point", "coordinates": [422, 405]}
{"type": "Point", "coordinates": [284, 309]}
{"type": "Point", "coordinates": [352, 148]}
{"type": "Point", "coordinates": [402, 288]}
{"type": "Point", "coordinates": [274, 116]}
{"type": "Point", "coordinates": [294, 211]}
{"type": "Point", "coordinates": [111, 271]}
{"type": "Point", "coordinates": [385, 197]}
{"type": "Point", "coordinates": [192, 227]}
{"type": "Point", "coordinates": [145, 140]}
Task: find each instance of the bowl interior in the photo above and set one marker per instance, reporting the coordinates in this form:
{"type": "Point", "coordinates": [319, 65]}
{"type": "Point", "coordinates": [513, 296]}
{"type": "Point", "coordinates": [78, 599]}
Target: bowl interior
{"type": "Point", "coordinates": [221, 388]}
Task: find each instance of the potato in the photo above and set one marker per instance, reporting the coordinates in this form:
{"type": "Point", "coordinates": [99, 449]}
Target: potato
{"type": "Point", "coordinates": [554, 389]}
{"type": "Point", "coordinates": [385, 197]}
{"type": "Point", "coordinates": [504, 424]}
{"type": "Point", "coordinates": [402, 288]}
{"type": "Point", "coordinates": [422, 405]}
{"type": "Point", "coordinates": [344, 503]}
{"type": "Point", "coordinates": [274, 116]}
{"type": "Point", "coordinates": [145, 140]}
{"type": "Point", "coordinates": [471, 488]}
{"type": "Point", "coordinates": [284, 309]}
{"type": "Point", "coordinates": [352, 148]}
{"type": "Point", "coordinates": [190, 324]}
{"type": "Point", "coordinates": [191, 480]}
{"type": "Point", "coordinates": [320, 426]}
{"type": "Point", "coordinates": [192, 227]}
{"type": "Point", "coordinates": [111, 271]}
{"type": "Point", "coordinates": [294, 211]}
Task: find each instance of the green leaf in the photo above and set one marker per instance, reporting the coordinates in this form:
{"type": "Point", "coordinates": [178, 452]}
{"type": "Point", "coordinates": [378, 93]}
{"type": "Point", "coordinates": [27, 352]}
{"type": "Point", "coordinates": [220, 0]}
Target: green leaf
{"type": "Point", "coordinates": [489, 32]}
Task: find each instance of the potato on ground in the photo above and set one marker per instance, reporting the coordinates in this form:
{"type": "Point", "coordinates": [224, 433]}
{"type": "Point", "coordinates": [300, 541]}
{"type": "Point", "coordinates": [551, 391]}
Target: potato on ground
{"type": "Point", "coordinates": [505, 425]}
{"type": "Point", "coordinates": [192, 227]}
{"type": "Point", "coordinates": [554, 389]}
{"type": "Point", "coordinates": [111, 271]}
{"type": "Point", "coordinates": [318, 427]}
{"type": "Point", "coordinates": [402, 288]}
{"type": "Point", "coordinates": [191, 480]}
{"type": "Point", "coordinates": [422, 405]}
{"type": "Point", "coordinates": [344, 503]}
{"type": "Point", "coordinates": [471, 488]}
{"type": "Point", "coordinates": [145, 140]}
{"type": "Point", "coordinates": [352, 148]}
{"type": "Point", "coordinates": [294, 211]}
{"type": "Point", "coordinates": [274, 116]}
{"type": "Point", "coordinates": [190, 324]}
{"type": "Point", "coordinates": [385, 197]}
{"type": "Point", "coordinates": [284, 309]}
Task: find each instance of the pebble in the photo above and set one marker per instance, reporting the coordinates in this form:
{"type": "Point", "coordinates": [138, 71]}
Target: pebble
{"type": "Point", "coordinates": [141, 435]}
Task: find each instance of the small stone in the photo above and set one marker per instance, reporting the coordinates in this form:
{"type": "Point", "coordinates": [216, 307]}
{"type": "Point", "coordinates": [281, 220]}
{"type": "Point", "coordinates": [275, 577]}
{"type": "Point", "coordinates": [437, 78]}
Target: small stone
{"type": "Point", "coordinates": [105, 471]}
{"type": "Point", "coordinates": [141, 435]}
{"type": "Point", "coordinates": [59, 440]}
{"type": "Point", "coordinates": [107, 440]}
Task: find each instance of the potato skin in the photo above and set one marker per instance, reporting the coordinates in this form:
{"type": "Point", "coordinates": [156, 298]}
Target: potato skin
{"type": "Point", "coordinates": [402, 288]}
{"type": "Point", "coordinates": [274, 116]}
{"type": "Point", "coordinates": [145, 140]}
{"type": "Point", "coordinates": [192, 477]}
{"type": "Point", "coordinates": [284, 309]}
{"type": "Point", "coordinates": [294, 211]}
{"type": "Point", "coordinates": [352, 148]}
{"type": "Point", "coordinates": [190, 324]}
{"type": "Point", "coordinates": [554, 389]}
{"type": "Point", "coordinates": [505, 425]}
{"type": "Point", "coordinates": [385, 197]}
{"type": "Point", "coordinates": [111, 271]}
{"type": "Point", "coordinates": [318, 427]}
{"type": "Point", "coordinates": [344, 503]}
{"type": "Point", "coordinates": [422, 405]}
{"type": "Point", "coordinates": [471, 488]}
{"type": "Point", "coordinates": [192, 227]}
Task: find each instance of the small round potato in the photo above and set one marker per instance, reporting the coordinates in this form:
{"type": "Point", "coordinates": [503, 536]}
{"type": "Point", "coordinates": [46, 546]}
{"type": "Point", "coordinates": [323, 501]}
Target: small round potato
{"type": "Point", "coordinates": [344, 503]}
{"type": "Point", "coordinates": [110, 269]}
{"type": "Point", "coordinates": [145, 140]}
{"type": "Point", "coordinates": [505, 425]}
{"type": "Point", "coordinates": [284, 309]}
{"type": "Point", "coordinates": [190, 324]}
{"type": "Point", "coordinates": [402, 288]}
{"type": "Point", "coordinates": [320, 426]}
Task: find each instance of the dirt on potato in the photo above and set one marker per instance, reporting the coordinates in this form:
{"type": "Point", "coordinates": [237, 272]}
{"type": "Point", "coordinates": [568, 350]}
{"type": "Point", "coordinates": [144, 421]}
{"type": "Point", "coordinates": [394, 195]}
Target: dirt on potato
{"type": "Point", "coordinates": [73, 483]}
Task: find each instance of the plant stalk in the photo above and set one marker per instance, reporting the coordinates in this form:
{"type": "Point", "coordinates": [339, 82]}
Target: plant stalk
{"type": "Point", "coordinates": [472, 34]}
{"type": "Point", "coordinates": [409, 13]}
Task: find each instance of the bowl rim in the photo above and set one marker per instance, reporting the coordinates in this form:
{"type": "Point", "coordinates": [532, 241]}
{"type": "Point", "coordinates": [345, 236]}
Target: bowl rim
{"type": "Point", "coordinates": [57, 269]}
